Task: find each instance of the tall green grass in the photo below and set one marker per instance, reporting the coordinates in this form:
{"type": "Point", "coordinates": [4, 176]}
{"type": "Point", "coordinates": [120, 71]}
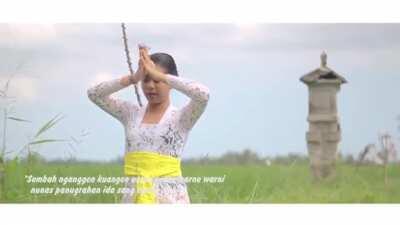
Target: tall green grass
{"type": "Point", "coordinates": [242, 184]}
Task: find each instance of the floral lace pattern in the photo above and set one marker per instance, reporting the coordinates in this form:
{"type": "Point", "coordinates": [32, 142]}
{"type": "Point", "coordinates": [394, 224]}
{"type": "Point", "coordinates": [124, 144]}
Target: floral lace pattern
{"type": "Point", "coordinates": [167, 137]}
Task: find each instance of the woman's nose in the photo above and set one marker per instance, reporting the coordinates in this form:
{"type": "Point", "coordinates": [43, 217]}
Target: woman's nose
{"type": "Point", "coordinates": [150, 84]}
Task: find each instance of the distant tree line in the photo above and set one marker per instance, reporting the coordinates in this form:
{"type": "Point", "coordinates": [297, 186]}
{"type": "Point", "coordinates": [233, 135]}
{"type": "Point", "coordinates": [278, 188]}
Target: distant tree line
{"type": "Point", "coordinates": [244, 157]}
{"type": "Point", "coordinates": [247, 157]}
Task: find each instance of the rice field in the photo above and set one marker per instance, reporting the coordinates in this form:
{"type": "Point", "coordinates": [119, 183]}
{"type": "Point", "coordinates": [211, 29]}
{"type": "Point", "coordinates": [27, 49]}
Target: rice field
{"type": "Point", "coordinates": [237, 184]}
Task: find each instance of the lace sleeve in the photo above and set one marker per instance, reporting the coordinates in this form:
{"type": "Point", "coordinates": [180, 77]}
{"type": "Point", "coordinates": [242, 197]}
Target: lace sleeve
{"type": "Point", "coordinates": [118, 108]}
{"type": "Point", "coordinates": [198, 94]}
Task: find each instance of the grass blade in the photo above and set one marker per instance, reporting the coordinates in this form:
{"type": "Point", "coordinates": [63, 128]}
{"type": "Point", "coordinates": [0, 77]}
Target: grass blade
{"type": "Point", "coordinates": [48, 125]}
{"type": "Point", "coordinates": [45, 141]}
{"type": "Point", "coordinates": [18, 119]}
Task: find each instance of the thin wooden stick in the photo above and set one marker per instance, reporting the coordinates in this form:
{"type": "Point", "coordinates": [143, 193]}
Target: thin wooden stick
{"type": "Point", "coordinates": [128, 59]}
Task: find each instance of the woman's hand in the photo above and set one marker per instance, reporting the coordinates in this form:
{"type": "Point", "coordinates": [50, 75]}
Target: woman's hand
{"type": "Point", "coordinates": [149, 67]}
{"type": "Point", "coordinates": [140, 72]}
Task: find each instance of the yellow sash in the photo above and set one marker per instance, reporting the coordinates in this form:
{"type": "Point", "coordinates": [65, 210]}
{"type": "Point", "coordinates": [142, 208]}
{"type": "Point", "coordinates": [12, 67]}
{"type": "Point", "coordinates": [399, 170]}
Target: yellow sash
{"type": "Point", "coordinates": [146, 165]}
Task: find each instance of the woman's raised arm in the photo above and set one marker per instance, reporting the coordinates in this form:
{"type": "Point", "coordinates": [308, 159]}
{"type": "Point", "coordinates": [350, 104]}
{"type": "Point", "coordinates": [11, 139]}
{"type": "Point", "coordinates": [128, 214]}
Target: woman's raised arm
{"type": "Point", "coordinates": [118, 108]}
{"type": "Point", "coordinates": [198, 94]}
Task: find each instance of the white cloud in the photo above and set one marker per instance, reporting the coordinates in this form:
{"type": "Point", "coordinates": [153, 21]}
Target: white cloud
{"type": "Point", "coordinates": [27, 33]}
{"type": "Point", "coordinates": [22, 88]}
{"type": "Point", "coordinates": [100, 77]}
{"type": "Point", "coordinates": [248, 31]}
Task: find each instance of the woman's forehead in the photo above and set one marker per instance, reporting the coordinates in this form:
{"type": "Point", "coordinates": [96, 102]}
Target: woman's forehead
{"type": "Point", "coordinates": [161, 68]}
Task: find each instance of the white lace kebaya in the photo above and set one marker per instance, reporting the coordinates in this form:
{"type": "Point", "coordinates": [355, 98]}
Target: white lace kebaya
{"type": "Point", "coordinates": [166, 137]}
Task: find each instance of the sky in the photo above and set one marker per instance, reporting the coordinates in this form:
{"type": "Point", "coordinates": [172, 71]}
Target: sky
{"type": "Point", "coordinates": [252, 71]}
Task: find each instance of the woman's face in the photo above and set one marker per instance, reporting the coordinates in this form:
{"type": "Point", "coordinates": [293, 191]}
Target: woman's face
{"type": "Point", "coordinates": [155, 91]}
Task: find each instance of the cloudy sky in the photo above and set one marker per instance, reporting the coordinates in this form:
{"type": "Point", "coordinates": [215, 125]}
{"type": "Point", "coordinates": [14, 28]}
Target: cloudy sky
{"type": "Point", "coordinates": [252, 70]}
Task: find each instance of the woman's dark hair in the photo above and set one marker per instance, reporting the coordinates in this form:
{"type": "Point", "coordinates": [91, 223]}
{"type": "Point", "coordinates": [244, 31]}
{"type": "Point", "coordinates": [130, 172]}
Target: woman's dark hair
{"type": "Point", "coordinates": [166, 61]}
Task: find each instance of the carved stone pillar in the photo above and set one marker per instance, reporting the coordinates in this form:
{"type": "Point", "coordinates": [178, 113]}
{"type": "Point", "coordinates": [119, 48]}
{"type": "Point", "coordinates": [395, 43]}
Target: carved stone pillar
{"type": "Point", "coordinates": [324, 132]}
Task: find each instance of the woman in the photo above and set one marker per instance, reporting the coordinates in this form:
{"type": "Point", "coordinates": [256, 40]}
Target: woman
{"type": "Point", "coordinates": [156, 133]}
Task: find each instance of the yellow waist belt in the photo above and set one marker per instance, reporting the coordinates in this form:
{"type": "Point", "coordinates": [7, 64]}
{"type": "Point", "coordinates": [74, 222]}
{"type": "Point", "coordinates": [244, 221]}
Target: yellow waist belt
{"type": "Point", "coordinates": [147, 165]}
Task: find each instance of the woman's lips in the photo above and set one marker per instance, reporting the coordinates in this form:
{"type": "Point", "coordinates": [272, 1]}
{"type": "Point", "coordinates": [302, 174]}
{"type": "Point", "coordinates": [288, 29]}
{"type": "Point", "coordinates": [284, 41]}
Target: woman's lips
{"type": "Point", "coordinates": [151, 94]}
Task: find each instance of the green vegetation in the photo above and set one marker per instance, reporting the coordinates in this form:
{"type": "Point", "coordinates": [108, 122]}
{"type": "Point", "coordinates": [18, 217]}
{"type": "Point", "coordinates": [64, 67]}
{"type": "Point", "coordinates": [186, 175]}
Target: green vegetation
{"type": "Point", "coordinates": [248, 183]}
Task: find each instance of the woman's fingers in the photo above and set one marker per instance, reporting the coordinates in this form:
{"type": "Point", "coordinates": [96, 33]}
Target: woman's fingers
{"type": "Point", "coordinates": [143, 59]}
{"type": "Point", "coordinates": [140, 55]}
{"type": "Point", "coordinates": [141, 45]}
{"type": "Point", "coordinates": [143, 64]}
{"type": "Point", "coordinates": [141, 52]}
{"type": "Point", "coordinates": [146, 54]}
{"type": "Point", "coordinates": [146, 58]}
{"type": "Point", "coordinates": [140, 63]}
